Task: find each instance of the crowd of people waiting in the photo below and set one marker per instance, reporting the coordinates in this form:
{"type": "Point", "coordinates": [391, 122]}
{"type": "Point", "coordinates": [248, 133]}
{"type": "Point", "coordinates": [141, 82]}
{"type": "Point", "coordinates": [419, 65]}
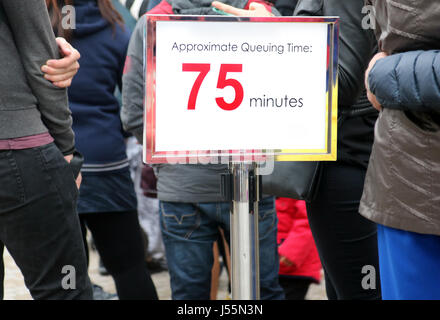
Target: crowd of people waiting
{"type": "Point", "coordinates": [66, 130]}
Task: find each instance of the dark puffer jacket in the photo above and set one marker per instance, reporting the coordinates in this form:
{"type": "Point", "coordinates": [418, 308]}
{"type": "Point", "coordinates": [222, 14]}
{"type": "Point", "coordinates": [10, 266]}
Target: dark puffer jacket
{"type": "Point", "coordinates": [396, 82]}
{"type": "Point", "coordinates": [407, 25]}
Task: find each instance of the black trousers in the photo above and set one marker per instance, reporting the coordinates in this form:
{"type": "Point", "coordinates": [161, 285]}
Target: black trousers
{"type": "Point", "coordinates": [39, 224]}
{"type": "Point", "coordinates": [345, 240]}
{"type": "Point", "coordinates": [118, 239]}
{"type": "Point", "coordinates": [295, 288]}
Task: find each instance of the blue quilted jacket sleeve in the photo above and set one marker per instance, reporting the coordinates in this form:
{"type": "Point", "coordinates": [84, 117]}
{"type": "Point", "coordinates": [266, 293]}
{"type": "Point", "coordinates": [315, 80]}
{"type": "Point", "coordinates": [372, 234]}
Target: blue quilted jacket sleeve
{"type": "Point", "coordinates": [408, 81]}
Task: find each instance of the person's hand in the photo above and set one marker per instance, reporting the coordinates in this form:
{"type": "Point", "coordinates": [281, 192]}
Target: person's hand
{"type": "Point", "coordinates": [255, 10]}
{"type": "Point", "coordinates": [370, 95]}
{"type": "Point", "coordinates": [61, 72]}
{"type": "Point", "coordinates": [78, 180]}
{"type": "Point", "coordinates": [286, 261]}
{"type": "Point", "coordinates": [69, 158]}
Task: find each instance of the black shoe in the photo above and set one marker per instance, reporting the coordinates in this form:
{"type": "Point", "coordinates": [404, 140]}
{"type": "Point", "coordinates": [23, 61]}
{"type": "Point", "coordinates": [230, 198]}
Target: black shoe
{"type": "Point", "coordinates": [155, 266]}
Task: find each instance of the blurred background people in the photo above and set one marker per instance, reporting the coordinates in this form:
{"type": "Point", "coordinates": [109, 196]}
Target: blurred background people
{"type": "Point", "coordinates": [137, 8]}
{"type": "Point", "coordinates": [129, 19]}
{"type": "Point", "coordinates": [148, 204]}
{"type": "Point", "coordinates": [107, 201]}
{"type": "Point", "coordinates": [299, 260]}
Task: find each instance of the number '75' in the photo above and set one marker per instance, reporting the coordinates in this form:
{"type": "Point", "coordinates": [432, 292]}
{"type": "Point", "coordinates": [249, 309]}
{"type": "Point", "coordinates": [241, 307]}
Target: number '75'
{"type": "Point", "coordinates": [223, 82]}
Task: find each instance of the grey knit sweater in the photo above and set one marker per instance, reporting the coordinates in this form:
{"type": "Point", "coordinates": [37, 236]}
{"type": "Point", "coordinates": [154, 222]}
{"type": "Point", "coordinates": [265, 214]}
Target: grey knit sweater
{"type": "Point", "coordinates": [29, 104]}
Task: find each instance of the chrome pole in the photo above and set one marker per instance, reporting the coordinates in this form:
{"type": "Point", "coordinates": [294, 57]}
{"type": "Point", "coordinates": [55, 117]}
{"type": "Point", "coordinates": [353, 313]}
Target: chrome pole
{"type": "Point", "coordinates": [245, 276]}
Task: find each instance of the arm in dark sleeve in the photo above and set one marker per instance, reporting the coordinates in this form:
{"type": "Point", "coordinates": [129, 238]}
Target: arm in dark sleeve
{"type": "Point", "coordinates": [356, 44]}
{"type": "Point", "coordinates": [35, 41]}
{"type": "Point", "coordinates": [408, 81]}
{"type": "Point", "coordinates": [133, 84]}
{"type": "Point", "coordinates": [286, 7]}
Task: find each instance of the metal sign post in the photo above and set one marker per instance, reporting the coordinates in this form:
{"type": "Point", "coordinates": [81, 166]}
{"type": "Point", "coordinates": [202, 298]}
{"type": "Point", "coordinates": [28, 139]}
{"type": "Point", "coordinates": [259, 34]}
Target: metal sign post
{"type": "Point", "coordinates": [244, 231]}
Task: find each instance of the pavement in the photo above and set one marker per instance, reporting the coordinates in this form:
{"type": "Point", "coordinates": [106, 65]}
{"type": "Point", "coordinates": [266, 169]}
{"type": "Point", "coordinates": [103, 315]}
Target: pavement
{"type": "Point", "coordinates": [16, 290]}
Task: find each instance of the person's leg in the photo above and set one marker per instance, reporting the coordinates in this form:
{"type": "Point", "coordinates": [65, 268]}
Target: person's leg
{"type": "Point", "coordinates": [119, 242]}
{"type": "Point", "coordinates": [226, 256]}
{"type": "Point", "coordinates": [189, 232]}
{"type": "Point", "coordinates": [269, 260]}
{"type": "Point", "coordinates": [39, 224]}
{"type": "Point", "coordinates": [345, 240]}
{"type": "Point", "coordinates": [329, 288]}
{"type": "Point", "coordinates": [409, 265]}
{"type": "Point", "coordinates": [295, 288]}
{"type": "Point", "coordinates": [148, 208]}
{"type": "Point", "coordinates": [215, 273]}
{"type": "Point", "coordinates": [270, 288]}
{"type": "Point", "coordinates": [2, 272]}
{"type": "Point", "coordinates": [84, 237]}
{"type": "Point", "coordinates": [150, 222]}
{"type": "Point", "coordinates": [134, 154]}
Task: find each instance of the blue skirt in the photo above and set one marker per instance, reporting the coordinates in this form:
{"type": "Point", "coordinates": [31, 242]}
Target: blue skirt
{"type": "Point", "coordinates": [409, 264]}
{"type": "Point", "coordinates": [107, 192]}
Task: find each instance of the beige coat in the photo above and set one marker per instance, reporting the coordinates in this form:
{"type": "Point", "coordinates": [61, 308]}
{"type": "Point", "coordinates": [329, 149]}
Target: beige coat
{"type": "Point", "coordinates": [402, 186]}
{"type": "Point", "coordinates": [407, 25]}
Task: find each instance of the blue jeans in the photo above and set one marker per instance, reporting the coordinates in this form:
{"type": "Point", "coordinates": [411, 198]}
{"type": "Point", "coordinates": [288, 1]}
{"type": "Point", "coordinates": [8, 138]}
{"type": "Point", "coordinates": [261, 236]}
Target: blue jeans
{"type": "Point", "coordinates": [189, 231]}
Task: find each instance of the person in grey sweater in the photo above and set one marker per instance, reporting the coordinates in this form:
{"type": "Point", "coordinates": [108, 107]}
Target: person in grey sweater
{"type": "Point", "coordinates": [38, 222]}
{"type": "Point", "coordinates": [29, 103]}
{"type": "Point", "coordinates": [60, 72]}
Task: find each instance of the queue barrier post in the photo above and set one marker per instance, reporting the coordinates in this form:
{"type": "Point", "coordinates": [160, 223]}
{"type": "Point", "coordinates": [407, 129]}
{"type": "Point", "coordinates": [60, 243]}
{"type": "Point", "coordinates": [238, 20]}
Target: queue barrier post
{"type": "Point", "coordinates": [245, 189]}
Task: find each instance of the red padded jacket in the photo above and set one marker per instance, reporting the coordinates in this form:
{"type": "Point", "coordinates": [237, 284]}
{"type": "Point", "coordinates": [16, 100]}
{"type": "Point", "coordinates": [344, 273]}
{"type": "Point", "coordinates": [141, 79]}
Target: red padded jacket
{"type": "Point", "coordinates": [295, 240]}
{"type": "Point", "coordinates": [164, 7]}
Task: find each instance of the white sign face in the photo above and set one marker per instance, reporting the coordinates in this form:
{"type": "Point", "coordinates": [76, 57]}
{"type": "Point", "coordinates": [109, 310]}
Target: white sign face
{"type": "Point", "coordinates": [229, 85]}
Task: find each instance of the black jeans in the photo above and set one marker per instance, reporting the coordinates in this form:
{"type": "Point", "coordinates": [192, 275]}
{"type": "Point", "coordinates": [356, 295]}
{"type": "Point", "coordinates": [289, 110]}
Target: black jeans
{"type": "Point", "coordinates": [39, 224]}
{"type": "Point", "coordinates": [118, 239]}
{"type": "Point", "coordinates": [345, 240]}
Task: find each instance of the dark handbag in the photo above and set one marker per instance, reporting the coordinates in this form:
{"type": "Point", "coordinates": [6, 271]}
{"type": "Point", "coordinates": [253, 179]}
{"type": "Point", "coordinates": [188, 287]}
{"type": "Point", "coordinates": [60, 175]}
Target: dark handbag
{"type": "Point", "coordinates": [297, 180]}
{"type": "Point", "coordinates": [300, 180]}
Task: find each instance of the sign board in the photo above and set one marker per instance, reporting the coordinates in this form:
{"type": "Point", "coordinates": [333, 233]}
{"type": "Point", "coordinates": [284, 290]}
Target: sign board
{"type": "Point", "coordinates": [224, 87]}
